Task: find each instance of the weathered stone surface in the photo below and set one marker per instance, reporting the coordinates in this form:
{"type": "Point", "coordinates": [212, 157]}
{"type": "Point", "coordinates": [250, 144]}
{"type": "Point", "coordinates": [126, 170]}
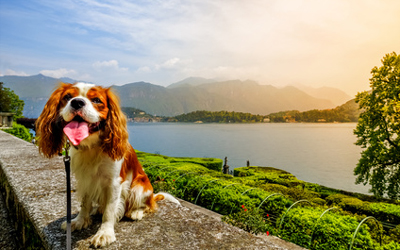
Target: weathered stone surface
{"type": "Point", "coordinates": [34, 190]}
{"type": "Point", "coordinates": [7, 231]}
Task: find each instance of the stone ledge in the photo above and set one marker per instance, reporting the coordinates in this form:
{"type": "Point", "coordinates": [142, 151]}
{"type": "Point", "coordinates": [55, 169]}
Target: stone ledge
{"type": "Point", "coordinates": [34, 190]}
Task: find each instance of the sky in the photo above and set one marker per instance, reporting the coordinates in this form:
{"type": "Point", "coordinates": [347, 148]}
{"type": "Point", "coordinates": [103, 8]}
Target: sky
{"type": "Point", "coordinates": [333, 43]}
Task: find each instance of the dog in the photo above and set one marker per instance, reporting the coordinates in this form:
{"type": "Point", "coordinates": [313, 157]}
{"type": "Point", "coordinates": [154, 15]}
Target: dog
{"type": "Point", "coordinates": [110, 179]}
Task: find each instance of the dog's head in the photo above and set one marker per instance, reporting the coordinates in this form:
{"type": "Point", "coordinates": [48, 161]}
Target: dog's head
{"type": "Point", "coordinates": [89, 115]}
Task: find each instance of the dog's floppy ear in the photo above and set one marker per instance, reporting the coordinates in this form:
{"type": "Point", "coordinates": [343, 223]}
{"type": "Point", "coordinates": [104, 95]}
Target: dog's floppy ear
{"type": "Point", "coordinates": [115, 134]}
{"type": "Point", "coordinates": [49, 124]}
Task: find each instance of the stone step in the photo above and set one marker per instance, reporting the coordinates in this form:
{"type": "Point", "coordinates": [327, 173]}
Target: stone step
{"type": "Point", "coordinates": [34, 191]}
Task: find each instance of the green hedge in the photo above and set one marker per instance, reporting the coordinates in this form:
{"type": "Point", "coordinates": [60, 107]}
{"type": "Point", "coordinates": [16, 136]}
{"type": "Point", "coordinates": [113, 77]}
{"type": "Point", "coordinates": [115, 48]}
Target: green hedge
{"type": "Point", "coordinates": [333, 231]}
{"type": "Point", "coordinates": [385, 212]}
{"type": "Point", "coordinates": [271, 179]}
{"type": "Point", "coordinates": [19, 131]}
{"type": "Point", "coordinates": [268, 175]}
{"type": "Point", "coordinates": [210, 163]}
{"type": "Point", "coordinates": [238, 198]}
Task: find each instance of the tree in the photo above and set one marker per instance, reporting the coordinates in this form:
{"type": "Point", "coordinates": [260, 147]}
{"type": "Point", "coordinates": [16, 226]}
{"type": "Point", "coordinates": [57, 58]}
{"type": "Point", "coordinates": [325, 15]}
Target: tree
{"type": "Point", "coordinates": [10, 102]}
{"type": "Point", "coordinates": [378, 130]}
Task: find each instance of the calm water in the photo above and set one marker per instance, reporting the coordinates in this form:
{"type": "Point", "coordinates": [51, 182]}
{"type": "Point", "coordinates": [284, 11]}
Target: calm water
{"type": "Point", "coordinates": [318, 153]}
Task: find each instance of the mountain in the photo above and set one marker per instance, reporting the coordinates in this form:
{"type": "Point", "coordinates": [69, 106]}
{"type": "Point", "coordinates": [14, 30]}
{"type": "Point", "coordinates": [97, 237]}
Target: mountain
{"type": "Point", "coordinates": [30, 86]}
{"type": "Point", "coordinates": [234, 95]}
{"type": "Point", "coordinates": [153, 99]}
{"type": "Point", "coordinates": [189, 95]}
{"type": "Point", "coordinates": [337, 96]}
{"type": "Point", "coordinates": [249, 96]}
{"type": "Point", "coordinates": [33, 90]}
{"type": "Point", "coordinates": [193, 81]}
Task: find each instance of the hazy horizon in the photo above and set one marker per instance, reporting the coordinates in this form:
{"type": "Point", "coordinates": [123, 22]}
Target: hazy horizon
{"type": "Point", "coordinates": [332, 43]}
{"type": "Point", "coordinates": [212, 80]}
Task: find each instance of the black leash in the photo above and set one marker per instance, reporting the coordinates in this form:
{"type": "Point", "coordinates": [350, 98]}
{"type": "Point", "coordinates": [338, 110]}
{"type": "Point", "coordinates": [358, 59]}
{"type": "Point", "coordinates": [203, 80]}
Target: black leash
{"type": "Point", "coordinates": [67, 163]}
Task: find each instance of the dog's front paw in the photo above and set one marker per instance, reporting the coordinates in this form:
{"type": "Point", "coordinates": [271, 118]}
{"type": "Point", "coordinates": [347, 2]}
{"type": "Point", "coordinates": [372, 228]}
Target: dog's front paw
{"type": "Point", "coordinates": [136, 215]}
{"type": "Point", "coordinates": [77, 223]}
{"type": "Point", "coordinates": [103, 237]}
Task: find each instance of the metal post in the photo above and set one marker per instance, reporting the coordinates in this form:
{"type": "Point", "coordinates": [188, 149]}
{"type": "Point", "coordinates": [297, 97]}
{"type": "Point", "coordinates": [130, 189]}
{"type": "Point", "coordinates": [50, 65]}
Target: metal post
{"type": "Point", "coordinates": [359, 226]}
{"type": "Point", "coordinates": [316, 224]}
{"type": "Point", "coordinates": [269, 196]}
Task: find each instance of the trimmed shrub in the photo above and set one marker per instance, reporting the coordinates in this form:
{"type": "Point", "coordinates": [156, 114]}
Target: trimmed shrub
{"type": "Point", "coordinates": [385, 212]}
{"type": "Point", "coordinates": [19, 131]}
{"type": "Point", "coordinates": [239, 199]}
{"type": "Point", "coordinates": [210, 163]}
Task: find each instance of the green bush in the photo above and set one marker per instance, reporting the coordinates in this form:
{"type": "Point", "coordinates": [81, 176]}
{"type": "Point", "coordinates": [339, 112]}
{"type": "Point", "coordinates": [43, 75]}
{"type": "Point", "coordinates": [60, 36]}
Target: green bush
{"type": "Point", "coordinates": [391, 246]}
{"type": "Point", "coordinates": [251, 221]}
{"type": "Point", "coordinates": [351, 204]}
{"type": "Point", "coordinates": [335, 199]}
{"type": "Point", "coordinates": [20, 132]}
{"type": "Point", "coordinates": [333, 231]}
{"type": "Point", "coordinates": [268, 175]}
{"type": "Point", "coordinates": [210, 163]}
{"type": "Point", "coordinates": [319, 201]}
{"type": "Point", "coordinates": [385, 212]}
{"type": "Point", "coordinates": [239, 199]}
{"type": "Point", "coordinates": [276, 188]}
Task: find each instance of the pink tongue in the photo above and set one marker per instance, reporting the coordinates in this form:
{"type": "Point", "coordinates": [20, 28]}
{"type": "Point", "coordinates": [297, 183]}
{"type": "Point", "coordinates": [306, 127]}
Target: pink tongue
{"type": "Point", "coordinates": [76, 131]}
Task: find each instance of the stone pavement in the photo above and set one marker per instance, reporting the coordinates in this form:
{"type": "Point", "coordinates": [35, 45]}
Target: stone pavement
{"type": "Point", "coordinates": [34, 190]}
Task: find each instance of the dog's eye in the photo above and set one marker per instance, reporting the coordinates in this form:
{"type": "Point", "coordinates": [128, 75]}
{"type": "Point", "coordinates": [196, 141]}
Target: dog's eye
{"type": "Point", "coordinates": [67, 97]}
{"type": "Point", "coordinates": [96, 100]}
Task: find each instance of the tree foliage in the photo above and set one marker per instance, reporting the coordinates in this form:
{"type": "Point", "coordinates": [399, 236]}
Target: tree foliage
{"type": "Point", "coordinates": [378, 130]}
{"type": "Point", "coordinates": [347, 112]}
{"type": "Point", "coordinates": [219, 116]}
{"type": "Point", "coordinates": [10, 102]}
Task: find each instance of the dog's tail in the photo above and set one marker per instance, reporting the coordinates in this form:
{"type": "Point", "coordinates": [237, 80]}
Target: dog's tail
{"type": "Point", "coordinates": [166, 196]}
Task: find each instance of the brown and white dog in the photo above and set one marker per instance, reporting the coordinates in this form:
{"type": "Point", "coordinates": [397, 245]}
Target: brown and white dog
{"type": "Point", "coordinates": [105, 165]}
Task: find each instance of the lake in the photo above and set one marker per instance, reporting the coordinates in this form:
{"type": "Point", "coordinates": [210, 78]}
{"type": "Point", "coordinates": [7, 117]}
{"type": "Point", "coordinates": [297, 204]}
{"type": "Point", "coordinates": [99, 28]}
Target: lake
{"type": "Point", "coordinates": [317, 153]}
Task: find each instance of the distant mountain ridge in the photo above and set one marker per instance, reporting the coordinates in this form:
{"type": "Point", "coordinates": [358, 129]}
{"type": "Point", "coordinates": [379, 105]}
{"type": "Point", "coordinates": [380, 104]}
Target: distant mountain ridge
{"type": "Point", "coordinates": [337, 96]}
{"type": "Point", "coordinates": [183, 97]}
{"type": "Point", "coordinates": [193, 81]}
{"type": "Point", "coordinates": [33, 90]}
{"type": "Point", "coordinates": [233, 95]}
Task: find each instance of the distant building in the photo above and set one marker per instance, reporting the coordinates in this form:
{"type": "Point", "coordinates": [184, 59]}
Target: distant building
{"type": "Point", "coordinates": [267, 120]}
{"type": "Point", "coordinates": [290, 119]}
{"type": "Point", "coordinates": [147, 119]}
{"type": "Point", "coordinates": [6, 119]}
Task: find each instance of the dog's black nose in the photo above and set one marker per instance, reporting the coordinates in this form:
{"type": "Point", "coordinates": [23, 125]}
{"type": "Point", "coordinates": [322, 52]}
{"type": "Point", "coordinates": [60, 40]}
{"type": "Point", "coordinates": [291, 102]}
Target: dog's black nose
{"type": "Point", "coordinates": [77, 103]}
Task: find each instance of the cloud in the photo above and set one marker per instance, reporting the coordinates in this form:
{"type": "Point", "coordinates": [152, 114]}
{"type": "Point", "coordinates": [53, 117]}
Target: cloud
{"type": "Point", "coordinates": [332, 42]}
{"type": "Point", "coordinates": [173, 64]}
{"type": "Point", "coordinates": [58, 73]}
{"type": "Point", "coordinates": [11, 72]}
{"type": "Point", "coordinates": [169, 64]}
{"type": "Point", "coordinates": [108, 65]}
{"type": "Point", "coordinates": [144, 69]}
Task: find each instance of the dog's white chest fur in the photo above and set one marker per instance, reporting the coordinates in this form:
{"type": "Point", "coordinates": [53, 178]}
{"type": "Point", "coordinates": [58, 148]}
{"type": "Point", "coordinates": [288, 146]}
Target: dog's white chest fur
{"type": "Point", "coordinates": [96, 173]}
